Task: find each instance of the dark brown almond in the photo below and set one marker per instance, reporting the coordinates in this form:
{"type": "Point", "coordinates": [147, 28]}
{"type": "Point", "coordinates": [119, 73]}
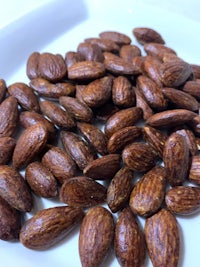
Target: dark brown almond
{"type": "Point", "coordinates": [86, 70]}
{"type": "Point", "coordinates": [41, 180]}
{"type": "Point", "coordinates": [9, 116]}
{"type": "Point", "coordinates": [72, 57]}
{"type": "Point", "coordinates": [77, 148]}
{"type": "Point", "coordinates": [162, 239]}
{"type": "Point", "coordinates": [105, 44]}
{"type": "Point", "coordinates": [117, 37]}
{"type": "Point", "coordinates": [97, 92]}
{"type": "Point", "coordinates": [7, 145]}
{"type": "Point", "coordinates": [183, 200]}
{"type": "Point", "coordinates": [170, 118]}
{"type": "Point", "coordinates": [59, 163]}
{"type": "Point", "coordinates": [148, 193]}
{"type": "Point", "coordinates": [10, 221]}
{"type": "Point", "coordinates": [151, 67]}
{"type": "Point", "coordinates": [97, 225]}
{"type": "Point", "coordinates": [82, 191]}
{"type": "Point", "coordinates": [129, 241]}
{"type": "Point", "coordinates": [79, 110]}
{"type": "Point", "coordinates": [123, 137]}
{"type": "Point", "coordinates": [192, 88]}
{"type": "Point", "coordinates": [79, 90]}
{"type": "Point", "coordinates": [158, 50]}
{"type": "Point", "coordinates": [52, 90]}
{"type": "Point", "coordinates": [121, 119]}
{"type": "Point", "coordinates": [147, 35]}
{"type": "Point", "coordinates": [57, 115]}
{"type": "Point", "coordinates": [139, 156]}
{"type": "Point", "coordinates": [32, 65]}
{"type": "Point", "coordinates": [155, 138]}
{"type": "Point", "coordinates": [25, 96]}
{"type": "Point", "coordinates": [90, 52]}
{"type": "Point", "coordinates": [122, 92]}
{"type": "Point", "coordinates": [195, 70]}
{"type": "Point", "coordinates": [97, 170]}
{"type": "Point", "coordinates": [190, 140]}
{"type": "Point", "coordinates": [47, 235]}
{"type": "Point", "coordinates": [194, 172]}
{"type": "Point", "coordinates": [29, 145]}
{"type": "Point", "coordinates": [3, 90]}
{"type": "Point", "coordinates": [176, 159]}
{"type": "Point", "coordinates": [95, 137]}
{"type": "Point", "coordinates": [180, 99]}
{"type": "Point", "coordinates": [151, 92]}
{"type": "Point", "coordinates": [138, 62]}
{"type": "Point", "coordinates": [119, 189]}
{"type": "Point", "coordinates": [14, 189]}
{"type": "Point", "coordinates": [128, 52]}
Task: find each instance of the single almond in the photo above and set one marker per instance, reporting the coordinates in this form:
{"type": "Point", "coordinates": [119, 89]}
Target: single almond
{"type": "Point", "coordinates": [7, 145]}
{"type": "Point", "coordinates": [194, 172]}
{"type": "Point", "coordinates": [147, 35]}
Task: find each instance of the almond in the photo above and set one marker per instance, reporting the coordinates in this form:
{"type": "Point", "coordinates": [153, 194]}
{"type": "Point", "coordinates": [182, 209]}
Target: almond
{"type": "Point", "coordinates": [158, 50]}
{"type": "Point", "coordinates": [194, 172]}
{"type": "Point", "coordinates": [105, 44]}
{"type": "Point", "coordinates": [128, 52]}
{"type": "Point", "coordinates": [7, 145]}
{"type": "Point", "coordinates": [147, 35]}
{"type": "Point", "coordinates": [192, 88]}
{"type": "Point", "coordinates": [90, 52]}
{"type": "Point", "coordinates": [190, 140]}
{"type": "Point", "coordinates": [32, 65]}
{"type": "Point", "coordinates": [3, 90]}
{"type": "Point", "coordinates": [117, 37]}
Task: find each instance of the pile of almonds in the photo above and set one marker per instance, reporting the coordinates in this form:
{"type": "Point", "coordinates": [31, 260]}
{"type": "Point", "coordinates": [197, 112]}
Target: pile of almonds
{"type": "Point", "coordinates": [84, 129]}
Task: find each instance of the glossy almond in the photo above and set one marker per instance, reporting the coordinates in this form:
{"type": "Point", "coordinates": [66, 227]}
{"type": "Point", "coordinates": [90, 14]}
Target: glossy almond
{"type": "Point", "coordinates": [128, 52]}
{"type": "Point", "coordinates": [147, 35]}
{"type": "Point", "coordinates": [162, 239]}
{"type": "Point", "coordinates": [117, 37]}
{"type": "Point", "coordinates": [14, 189]}
{"type": "Point", "coordinates": [183, 200]}
{"type": "Point", "coordinates": [7, 145]}
{"type": "Point", "coordinates": [47, 235]}
{"type": "Point", "coordinates": [129, 242]}
{"type": "Point", "coordinates": [30, 143]}
{"type": "Point", "coordinates": [151, 68]}
{"type": "Point", "coordinates": [148, 193]}
{"type": "Point", "coordinates": [32, 65]}
{"type": "Point", "coordinates": [82, 191]}
{"type": "Point", "coordinates": [194, 172]}
{"type": "Point", "coordinates": [97, 225]}
{"type": "Point", "coordinates": [90, 52]}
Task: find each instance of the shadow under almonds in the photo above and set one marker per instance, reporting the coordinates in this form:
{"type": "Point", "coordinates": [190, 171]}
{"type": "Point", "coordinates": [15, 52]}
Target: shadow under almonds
{"type": "Point", "coordinates": [36, 29]}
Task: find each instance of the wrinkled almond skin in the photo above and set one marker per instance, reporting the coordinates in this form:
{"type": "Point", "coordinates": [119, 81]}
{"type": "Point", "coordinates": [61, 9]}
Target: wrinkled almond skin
{"type": "Point", "coordinates": [3, 90]}
{"type": "Point", "coordinates": [117, 37]}
{"type": "Point", "coordinates": [139, 156]}
{"type": "Point", "coordinates": [162, 238]}
{"type": "Point", "coordinates": [183, 200]}
{"type": "Point", "coordinates": [25, 96]}
{"type": "Point", "coordinates": [57, 115]}
{"type": "Point", "coordinates": [176, 159]}
{"type": "Point", "coordinates": [32, 65]}
{"type": "Point", "coordinates": [128, 52]}
{"type": "Point", "coordinates": [90, 52]}
{"type": "Point", "coordinates": [194, 172]}
{"type": "Point", "coordinates": [123, 137]}
{"type": "Point", "coordinates": [105, 44]}
{"type": "Point", "coordinates": [59, 163]}
{"type": "Point", "coordinates": [190, 140]}
{"type": "Point", "coordinates": [96, 236]}
{"type": "Point", "coordinates": [79, 110]}
{"type": "Point", "coordinates": [129, 242]}
{"type": "Point", "coordinates": [41, 180]}
{"type": "Point", "coordinates": [97, 171]}
{"type": "Point", "coordinates": [9, 116]}
{"type": "Point", "coordinates": [119, 189]}
{"type": "Point", "coordinates": [80, 151]}
{"type": "Point", "coordinates": [95, 137]}
{"type": "Point", "coordinates": [97, 92]}
{"type": "Point", "coordinates": [121, 119]}
{"type": "Point", "coordinates": [158, 50]}
{"type": "Point", "coordinates": [29, 145]}
{"type": "Point", "coordinates": [55, 224]}
{"type": "Point", "coordinates": [151, 68]}
{"type": "Point", "coordinates": [147, 35]}
{"type": "Point", "coordinates": [82, 191]}
{"type": "Point", "coordinates": [14, 189]}
{"type": "Point", "coordinates": [7, 145]}
{"type": "Point", "coordinates": [148, 193]}
{"type": "Point", "coordinates": [192, 88]}
{"type": "Point", "coordinates": [10, 221]}
{"type": "Point", "coordinates": [72, 57]}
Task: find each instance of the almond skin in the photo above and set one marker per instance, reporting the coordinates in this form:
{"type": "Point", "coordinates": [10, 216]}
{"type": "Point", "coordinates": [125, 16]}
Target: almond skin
{"type": "Point", "coordinates": [129, 242]}
{"type": "Point", "coordinates": [147, 35]}
{"type": "Point", "coordinates": [162, 239]}
{"type": "Point", "coordinates": [7, 145]}
{"type": "Point", "coordinates": [82, 191]}
{"type": "Point", "coordinates": [55, 224]}
{"type": "Point", "coordinates": [194, 172]}
{"type": "Point", "coordinates": [183, 200]}
{"type": "Point", "coordinates": [190, 140]}
{"type": "Point", "coordinates": [117, 37]}
{"type": "Point", "coordinates": [96, 235]}
{"type": "Point", "coordinates": [3, 90]}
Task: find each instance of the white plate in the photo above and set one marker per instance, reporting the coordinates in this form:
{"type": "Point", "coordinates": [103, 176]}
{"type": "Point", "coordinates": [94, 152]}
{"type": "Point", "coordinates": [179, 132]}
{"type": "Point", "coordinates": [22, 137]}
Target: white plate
{"type": "Point", "coordinates": [57, 27]}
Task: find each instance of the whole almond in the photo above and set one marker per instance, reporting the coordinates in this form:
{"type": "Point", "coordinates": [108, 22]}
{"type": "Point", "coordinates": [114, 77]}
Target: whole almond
{"type": "Point", "coordinates": [3, 90]}
{"type": "Point", "coordinates": [151, 67]}
{"type": "Point", "coordinates": [32, 65]}
{"type": "Point", "coordinates": [80, 151]}
{"type": "Point", "coordinates": [128, 52]}
{"type": "Point", "coordinates": [9, 116]}
{"type": "Point", "coordinates": [147, 35]}
{"type": "Point", "coordinates": [192, 88]}
{"type": "Point", "coordinates": [14, 189]}
{"type": "Point", "coordinates": [162, 239]}
{"type": "Point", "coordinates": [105, 44]}
{"type": "Point", "coordinates": [10, 221]}
{"type": "Point", "coordinates": [96, 168]}
{"type": "Point", "coordinates": [129, 242]}
{"type": "Point", "coordinates": [97, 225]}
{"type": "Point", "coordinates": [47, 235]}
{"type": "Point", "coordinates": [194, 172]}
{"type": "Point", "coordinates": [41, 180]}
{"type": "Point", "coordinates": [30, 143]}
{"type": "Point", "coordinates": [25, 96]}
{"type": "Point", "coordinates": [190, 140]}
{"type": "Point", "coordinates": [82, 191]}
{"type": "Point", "coordinates": [59, 163]}
{"type": "Point", "coordinates": [119, 189]}
{"type": "Point", "coordinates": [117, 37]}
{"type": "Point", "coordinates": [148, 193]}
{"type": "Point", "coordinates": [7, 145]}
{"type": "Point", "coordinates": [176, 159]}
{"type": "Point", "coordinates": [183, 200]}
{"type": "Point", "coordinates": [139, 156]}
{"type": "Point", "coordinates": [121, 119]}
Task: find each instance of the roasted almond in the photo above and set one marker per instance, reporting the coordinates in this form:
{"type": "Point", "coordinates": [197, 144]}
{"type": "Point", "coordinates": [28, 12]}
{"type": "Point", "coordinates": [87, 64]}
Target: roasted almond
{"type": "Point", "coordinates": [32, 65]}
{"type": "Point", "coordinates": [147, 35]}
{"type": "Point", "coordinates": [192, 88]}
{"type": "Point", "coordinates": [128, 52]}
{"type": "Point", "coordinates": [158, 50]}
{"type": "Point", "coordinates": [151, 67]}
{"type": "Point", "coordinates": [7, 145]}
{"type": "Point", "coordinates": [3, 90]}
{"type": "Point", "coordinates": [194, 172]}
{"type": "Point", "coordinates": [90, 52]}
{"type": "Point", "coordinates": [190, 140]}
{"type": "Point", "coordinates": [117, 37]}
